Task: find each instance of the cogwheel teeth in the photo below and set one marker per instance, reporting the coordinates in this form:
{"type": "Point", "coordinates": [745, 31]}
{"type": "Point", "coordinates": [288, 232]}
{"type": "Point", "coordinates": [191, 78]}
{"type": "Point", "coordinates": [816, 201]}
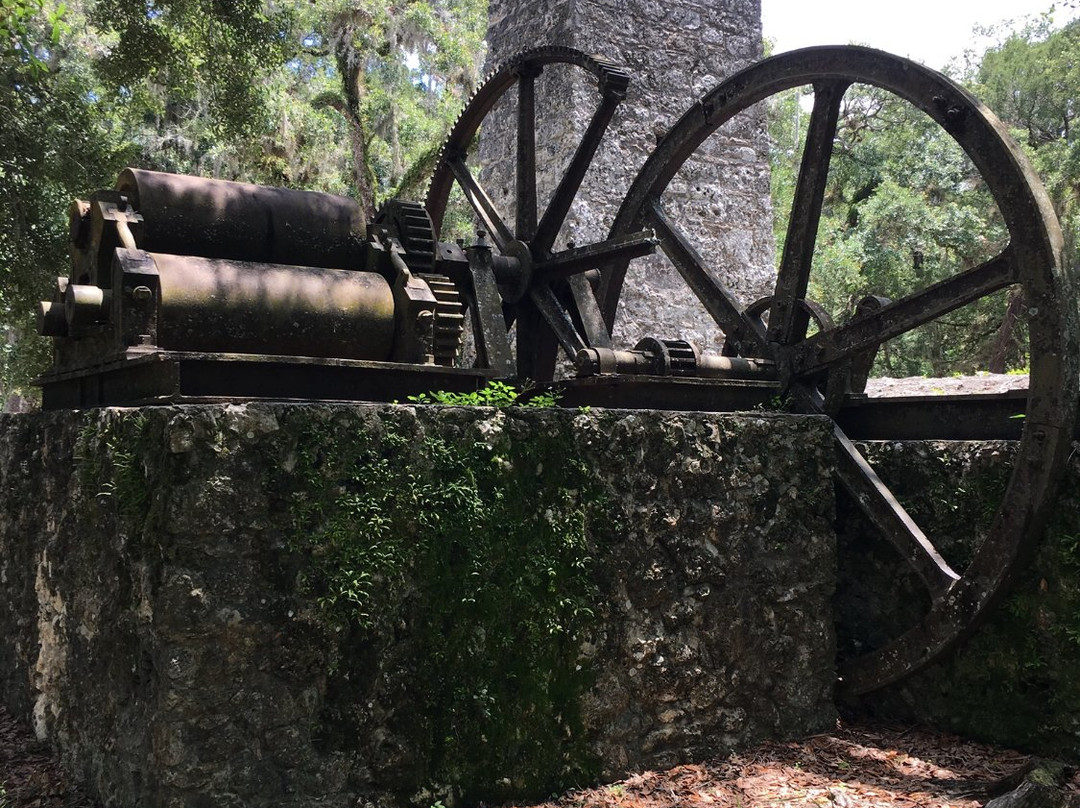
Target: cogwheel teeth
{"type": "Point", "coordinates": [611, 79]}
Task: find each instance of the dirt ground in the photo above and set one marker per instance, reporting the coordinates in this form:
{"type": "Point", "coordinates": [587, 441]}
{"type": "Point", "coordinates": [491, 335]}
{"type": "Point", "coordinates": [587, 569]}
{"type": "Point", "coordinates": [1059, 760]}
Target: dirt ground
{"type": "Point", "coordinates": [30, 774]}
{"type": "Point", "coordinates": [852, 767]}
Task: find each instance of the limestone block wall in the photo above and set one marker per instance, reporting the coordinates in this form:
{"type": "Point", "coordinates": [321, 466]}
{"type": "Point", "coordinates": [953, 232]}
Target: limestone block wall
{"type": "Point", "coordinates": [317, 605]}
{"type": "Point", "coordinates": [676, 52]}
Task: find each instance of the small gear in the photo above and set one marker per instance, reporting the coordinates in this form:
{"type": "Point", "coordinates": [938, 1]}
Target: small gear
{"type": "Point", "coordinates": [409, 223]}
{"type": "Point", "coordinates": [670, 357]}
{"type": "Point", "coordinates": [449, 318]}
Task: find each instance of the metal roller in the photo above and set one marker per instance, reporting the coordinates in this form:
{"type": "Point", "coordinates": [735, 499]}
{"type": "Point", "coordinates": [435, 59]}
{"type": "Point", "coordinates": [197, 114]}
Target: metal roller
{"type": "Point", "coordinates": [186, 215]}
{"type": "Point", "coordinates": [212, 304]}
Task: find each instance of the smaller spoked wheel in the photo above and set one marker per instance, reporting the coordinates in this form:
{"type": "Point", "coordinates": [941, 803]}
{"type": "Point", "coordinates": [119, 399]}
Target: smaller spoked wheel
{"type": "Point", "coordinates": [546, 293]}
{"type": "Point", "coordinates": [815, 358]}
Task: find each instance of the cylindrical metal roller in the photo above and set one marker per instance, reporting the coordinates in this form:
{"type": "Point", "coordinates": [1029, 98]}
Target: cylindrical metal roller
{"type": "Point", "coordinates": [85, 306]}
{"type": "Point", "coordinates": [216, 305]}
{"type": "Point", "coordinates": [51, 321]}
{"type": "Point", "coordinates": [51, 316]}
{"type": "Point", "coordinates": [234, 220]}
{"type": "Point", "coordinates": [655, 359]}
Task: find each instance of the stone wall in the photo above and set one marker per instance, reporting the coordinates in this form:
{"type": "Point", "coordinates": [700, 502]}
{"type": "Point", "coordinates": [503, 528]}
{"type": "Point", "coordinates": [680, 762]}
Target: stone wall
{"type": "Point", "coordinates": [676, 52]}
{"type": "Point", "coordinates": [303, 605]}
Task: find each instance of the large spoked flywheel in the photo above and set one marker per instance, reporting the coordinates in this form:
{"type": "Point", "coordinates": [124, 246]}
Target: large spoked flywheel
{"type": "Point", "coordinates": [812, 362]}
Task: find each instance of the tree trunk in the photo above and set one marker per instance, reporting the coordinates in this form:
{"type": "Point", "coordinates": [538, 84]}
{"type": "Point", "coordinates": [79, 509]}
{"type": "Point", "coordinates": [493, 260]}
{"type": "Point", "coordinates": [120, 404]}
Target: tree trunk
{"type": "Point", "coordinates": [999, 351]}
{"type": "Point", "coordinates": [350, 63]}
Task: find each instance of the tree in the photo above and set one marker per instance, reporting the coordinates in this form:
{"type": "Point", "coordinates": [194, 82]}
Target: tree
{"type": "Point", "coordinates": [1032, 78]}
{"type": "Point", "coordinates": [405, 70]}
{"type": "Point", "coordinates": [903, 208]}
{"type": "Point", "coordinates": [390, 76]}
{"type": "Point", "coordinates": [53, 139]}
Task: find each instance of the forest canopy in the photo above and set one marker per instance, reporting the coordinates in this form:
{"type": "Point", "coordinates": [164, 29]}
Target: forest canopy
{"type": "Point", "coordinates": [355, 96]}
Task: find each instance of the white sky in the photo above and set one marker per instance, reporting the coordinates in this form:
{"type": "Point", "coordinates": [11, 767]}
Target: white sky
{"type": "Point", "coordinates": [930, 31]}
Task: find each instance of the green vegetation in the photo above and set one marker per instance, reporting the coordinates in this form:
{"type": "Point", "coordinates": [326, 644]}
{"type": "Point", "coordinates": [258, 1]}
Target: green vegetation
{"type": "Point", "coordinates": [905, 207]}
{"type": "Point", "coordinates": [454, 563]}
{"type": "Point", "coordinates": [493, 394]}
{"type": "Point", "coordinates": [479, 555]}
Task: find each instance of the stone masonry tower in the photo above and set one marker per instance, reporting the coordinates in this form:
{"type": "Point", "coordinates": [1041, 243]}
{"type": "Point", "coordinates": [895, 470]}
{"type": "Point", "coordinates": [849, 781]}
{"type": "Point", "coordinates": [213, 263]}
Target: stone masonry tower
{"type": "Point", "coordinates": [675, 51]}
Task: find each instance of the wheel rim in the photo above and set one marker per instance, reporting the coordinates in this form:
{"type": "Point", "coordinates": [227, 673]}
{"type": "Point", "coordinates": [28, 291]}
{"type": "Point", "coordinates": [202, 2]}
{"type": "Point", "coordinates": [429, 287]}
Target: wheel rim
{"type": "Point", "coordinates": [1031, 259]}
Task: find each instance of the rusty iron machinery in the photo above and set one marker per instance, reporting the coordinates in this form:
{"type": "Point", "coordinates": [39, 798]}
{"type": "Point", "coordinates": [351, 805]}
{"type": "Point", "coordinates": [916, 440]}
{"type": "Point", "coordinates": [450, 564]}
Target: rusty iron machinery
{"type": "Point", "coordinates": [786, 343]}
{"type": "Point", "coordinates": [185, 289]}
{"type": "Point", "coordinates": [819, 370]}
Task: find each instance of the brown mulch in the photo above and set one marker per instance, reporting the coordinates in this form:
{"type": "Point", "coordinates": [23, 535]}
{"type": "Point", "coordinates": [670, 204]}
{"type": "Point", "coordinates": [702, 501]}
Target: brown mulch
{"type": "Point", "coordinates": [853, 767]}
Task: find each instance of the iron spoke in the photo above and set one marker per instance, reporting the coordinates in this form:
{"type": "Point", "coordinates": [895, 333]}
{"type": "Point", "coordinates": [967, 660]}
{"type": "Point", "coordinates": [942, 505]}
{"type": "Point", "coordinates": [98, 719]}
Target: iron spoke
{"type": "Point", "coordinates": [593, 256]}
{"type": "Point", "coordinates": [718, 302]}
{"type": "Point", "coordinates": [881, 507]}
{"type": "Point", "coordinates": [829, 347]}
{"type": "Point", "coordinates": [787, 320]}
{"type": "Point", "coordinates": [481, 203]}
{"type": "Point", "coordinates": [525, 189]}
{"type": "Point", "coordinates": [592, 321]}
{"type": "Point", "coordinates": [557, 318]}
{"type": "Point", "coordinates": [555, 215]}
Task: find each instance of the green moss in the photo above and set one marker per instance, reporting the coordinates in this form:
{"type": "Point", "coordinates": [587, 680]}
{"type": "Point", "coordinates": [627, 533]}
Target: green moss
{"type": "Point", "coordinates": [479, 555]}
{"type": "Point", "coordinates": [119, 464]}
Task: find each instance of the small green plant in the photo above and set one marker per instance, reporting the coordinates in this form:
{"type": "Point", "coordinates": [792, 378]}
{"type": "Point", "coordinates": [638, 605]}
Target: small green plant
{"type": "Point", "coordinates": [113, 458]}
{"type": "Point", "coordinates": [494, 394]}
{"type": "Point", "coordinates": [777, 403]}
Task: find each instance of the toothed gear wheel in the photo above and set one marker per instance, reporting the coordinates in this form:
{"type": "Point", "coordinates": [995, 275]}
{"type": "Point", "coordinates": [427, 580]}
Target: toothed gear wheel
{"type": "Point", "coordinates": [550, 305]}
{"type": "Point", "coordinates": [671, 357]}
{"type": "Point", "coordinates": [410, 224]}
{"type": "Point", "coordinates": [449, 318]}
{"type": "Point", "coordinates": [611, 80]}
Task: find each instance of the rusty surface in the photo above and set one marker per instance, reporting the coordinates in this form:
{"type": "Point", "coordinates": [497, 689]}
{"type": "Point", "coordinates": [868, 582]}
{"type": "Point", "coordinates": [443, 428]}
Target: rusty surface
{"type": "Point", "coordinates": [187, 215]}
{"type": "Point", "coordinates": [212, 304]}
{"type": "Point", "coordinates": [550, 312]}
{"type": "Point", "coordinates": [348, 292]}
{"type": "Point", "coordinates": [177, 377]}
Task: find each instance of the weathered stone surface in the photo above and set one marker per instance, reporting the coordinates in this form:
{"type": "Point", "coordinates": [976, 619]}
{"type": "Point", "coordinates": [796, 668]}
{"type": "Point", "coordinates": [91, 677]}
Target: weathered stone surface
{"type": "Point", "coordinates": [160, 632]}
{"type": "Point", "coordinates": [676, 52]}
